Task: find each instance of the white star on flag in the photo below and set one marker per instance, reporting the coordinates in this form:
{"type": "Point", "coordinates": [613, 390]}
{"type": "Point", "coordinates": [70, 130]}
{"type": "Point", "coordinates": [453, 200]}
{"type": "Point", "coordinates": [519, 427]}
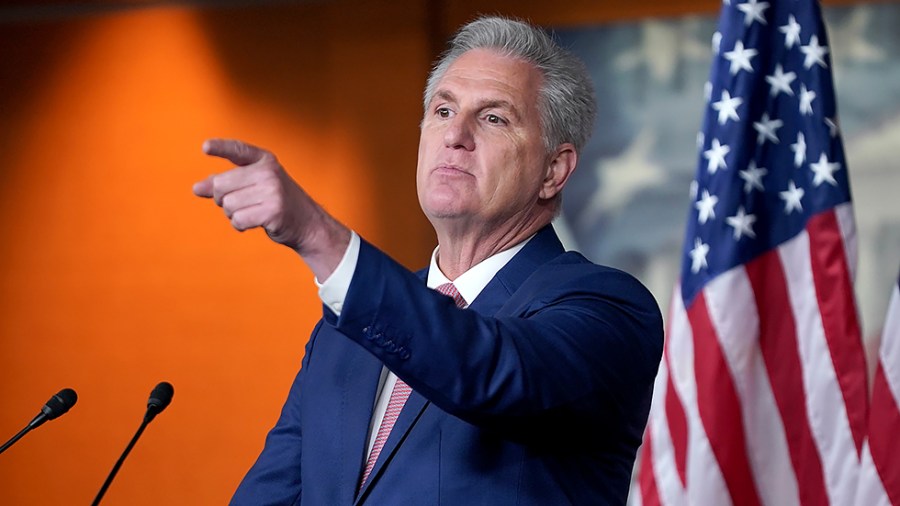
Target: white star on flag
{"type": "Point", "coordinates": [791, 32]}
{"type": "Point", "coordinates": [740, 58]}
{"type": "Point", "coordinates": [752, 177]}
{"type": "Point", "coordinates": [698, 255]}
{"type": "Point", "coordinates": [799, 149]}
{"type": "Point", "coordinates": [716, 156]}
{"type": "Point", "coordinates": [791, 198]}
{"type": "Point", "coordinates": [824, 171]}
{"type": "Point", "coordinates": [766, 128]}
{"type": "Point", "coordinates": [706, 207]}
{"type": "Point", "coordinates": [727, 107]}
{"type": "Point", "coordinates": [742, 223]}
{"type": "Point", "coordinates": [806, 99]}
{"type": "Point", "coordinates": [781, 81]}
{"type": "Point", "coordinates": [814, 53]}
{"type": "Point", "coordinates": [753, 11]}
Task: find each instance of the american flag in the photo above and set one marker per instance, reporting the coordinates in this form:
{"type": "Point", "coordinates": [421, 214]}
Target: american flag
{"type": "Point", "coordinates": [762, 396]}
{"type": "Point", "coordinates": [879, 481]}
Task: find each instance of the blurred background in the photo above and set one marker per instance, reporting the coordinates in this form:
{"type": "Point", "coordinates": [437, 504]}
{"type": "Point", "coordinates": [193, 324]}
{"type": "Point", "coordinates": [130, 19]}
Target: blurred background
{"type": "Point", "coordinates": [114, 277]}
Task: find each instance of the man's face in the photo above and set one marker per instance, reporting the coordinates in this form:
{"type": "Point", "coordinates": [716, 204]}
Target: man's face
{"type": "Point", "coordinates": [481, 156]}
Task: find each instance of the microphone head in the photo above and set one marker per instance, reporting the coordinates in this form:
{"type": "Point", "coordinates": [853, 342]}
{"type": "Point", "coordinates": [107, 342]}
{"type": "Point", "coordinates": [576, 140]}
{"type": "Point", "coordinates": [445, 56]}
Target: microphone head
{"type": "Point", "coordinates": [60, 403]}
{"type": "Point", "coordinates": [160, 397]}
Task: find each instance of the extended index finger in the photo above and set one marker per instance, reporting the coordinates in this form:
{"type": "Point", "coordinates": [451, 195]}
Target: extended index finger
{"type": "Point", "coordinates": [235, 151]}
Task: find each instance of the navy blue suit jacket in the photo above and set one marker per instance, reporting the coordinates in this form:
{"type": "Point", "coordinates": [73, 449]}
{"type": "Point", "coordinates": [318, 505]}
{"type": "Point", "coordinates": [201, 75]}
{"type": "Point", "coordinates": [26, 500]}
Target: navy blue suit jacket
{"type": "Point", "coordinates": [537, 394]}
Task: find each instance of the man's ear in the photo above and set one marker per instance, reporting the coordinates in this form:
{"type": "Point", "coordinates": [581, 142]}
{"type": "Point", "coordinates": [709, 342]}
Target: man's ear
{"type": "Point", "coordinates": [560, 167]}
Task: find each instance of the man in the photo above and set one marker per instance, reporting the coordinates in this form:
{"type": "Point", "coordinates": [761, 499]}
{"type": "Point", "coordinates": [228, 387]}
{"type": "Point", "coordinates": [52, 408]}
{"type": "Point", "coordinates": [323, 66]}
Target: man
{"type": "Point", "coordinates": [534, 386]}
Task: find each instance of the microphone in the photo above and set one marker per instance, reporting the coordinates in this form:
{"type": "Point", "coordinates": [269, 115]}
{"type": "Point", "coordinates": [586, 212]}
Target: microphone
{"type": "Point", "coordinates": [160, 398]}
{"type": "Point", "coordinates": [57, 406]}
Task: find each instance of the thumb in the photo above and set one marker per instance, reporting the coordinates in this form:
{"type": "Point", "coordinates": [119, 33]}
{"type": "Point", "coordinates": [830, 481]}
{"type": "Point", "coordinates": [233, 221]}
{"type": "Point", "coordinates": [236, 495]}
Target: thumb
{"type": "Point", "coordinates": [204, 188]}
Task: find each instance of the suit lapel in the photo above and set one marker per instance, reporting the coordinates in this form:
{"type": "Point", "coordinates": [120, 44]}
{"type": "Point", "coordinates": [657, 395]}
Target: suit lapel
{"type": "Point", "coordinates": [361, 373]}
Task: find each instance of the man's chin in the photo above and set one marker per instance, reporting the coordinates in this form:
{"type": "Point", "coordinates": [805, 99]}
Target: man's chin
{"type": "Point", "coordinates": [445, 207]}
{"type": "Point", "coordinates": [443, 214]}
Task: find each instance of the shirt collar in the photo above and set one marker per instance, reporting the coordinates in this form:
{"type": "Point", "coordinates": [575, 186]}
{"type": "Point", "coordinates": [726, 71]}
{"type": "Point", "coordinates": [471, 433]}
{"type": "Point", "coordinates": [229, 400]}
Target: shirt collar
{"type": "Point", "coordinates": [472, 282]}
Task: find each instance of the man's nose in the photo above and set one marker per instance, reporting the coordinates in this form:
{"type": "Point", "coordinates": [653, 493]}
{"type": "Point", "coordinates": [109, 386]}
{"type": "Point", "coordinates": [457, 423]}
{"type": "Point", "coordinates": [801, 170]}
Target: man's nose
{"type": "Point", "coordinates": [459, 133]}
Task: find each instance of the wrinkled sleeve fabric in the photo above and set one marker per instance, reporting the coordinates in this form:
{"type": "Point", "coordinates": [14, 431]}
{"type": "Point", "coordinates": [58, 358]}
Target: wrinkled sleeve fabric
{"type": "Point", "coordinates": [574, 339]}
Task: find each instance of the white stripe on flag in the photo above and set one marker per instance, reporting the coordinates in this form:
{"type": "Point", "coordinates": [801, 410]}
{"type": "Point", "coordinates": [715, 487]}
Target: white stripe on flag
{"type": "Point", "coordinates": [668, 484]}
{"type": "Point", "coordinates": [825, 402]}
{"type": "Point", "coordinates": [871, 491]}
{"type": "Point", "coordinates": [847, 224]}
{"type": "Point", "coordinates": [732, 308]}
{"type": "Point", "coordinates": [706, 485]}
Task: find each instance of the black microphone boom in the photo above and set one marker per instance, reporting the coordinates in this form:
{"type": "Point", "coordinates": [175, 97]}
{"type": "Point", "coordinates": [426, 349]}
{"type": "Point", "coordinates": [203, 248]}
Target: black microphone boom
{"type": "Point", "coordinates": [58, 405]}
{"type": "Point", "coordinates": [160, 397]}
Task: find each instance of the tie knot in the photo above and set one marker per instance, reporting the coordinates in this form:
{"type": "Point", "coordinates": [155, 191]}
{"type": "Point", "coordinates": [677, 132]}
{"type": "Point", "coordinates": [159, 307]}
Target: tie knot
{"type": "Point", "coordinates": [450, 290]}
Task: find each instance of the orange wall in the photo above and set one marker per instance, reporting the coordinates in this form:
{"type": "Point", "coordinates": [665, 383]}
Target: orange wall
{"type": "Point", "coordinates": [113, 276]}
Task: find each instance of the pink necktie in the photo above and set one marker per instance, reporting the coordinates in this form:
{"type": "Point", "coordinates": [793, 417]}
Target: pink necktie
{"type": "Point", "coordinates": [398, 398]}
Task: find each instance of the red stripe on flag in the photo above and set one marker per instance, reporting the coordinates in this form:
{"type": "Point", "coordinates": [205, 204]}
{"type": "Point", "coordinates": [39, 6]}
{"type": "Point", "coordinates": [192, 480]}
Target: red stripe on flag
{"type": "Point", "coordinates": [719, 406]}
{"type": "Point", "coordinates": [649, 490]}
{"type": "Point", "coordinates": [884, 426]}
{"type": "Point", "coordinates": [778, 343]}
{"type": "Point", "coordinates": [677, 427]}
{"type": "Point", "coordinates": [834, 290]}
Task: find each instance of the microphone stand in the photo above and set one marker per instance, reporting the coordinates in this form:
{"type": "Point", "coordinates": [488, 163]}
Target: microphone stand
{"type": "Point", "coordinates": [15, 438]}
{"type": "Point", "coordinates": [160, 397]}
{"type": "Point", "coordinates": [115, 469]}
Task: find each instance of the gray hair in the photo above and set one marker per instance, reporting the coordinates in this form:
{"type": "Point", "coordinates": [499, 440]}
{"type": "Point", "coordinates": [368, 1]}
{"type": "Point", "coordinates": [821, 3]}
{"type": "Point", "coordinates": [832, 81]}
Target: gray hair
{"type": "Point", "coordinates": [566, 98]}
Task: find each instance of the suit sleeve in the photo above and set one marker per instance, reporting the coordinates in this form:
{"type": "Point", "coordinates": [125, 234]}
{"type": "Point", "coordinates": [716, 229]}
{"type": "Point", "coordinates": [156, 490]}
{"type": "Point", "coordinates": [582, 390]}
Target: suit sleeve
{"type": "Point", "coordinates": [275, 476]}
{"type": "Point", "coordinates": [582, 340]}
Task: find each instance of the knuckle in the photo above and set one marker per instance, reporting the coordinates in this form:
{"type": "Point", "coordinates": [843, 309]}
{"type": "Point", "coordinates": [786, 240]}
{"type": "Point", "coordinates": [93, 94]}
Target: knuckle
{"type": "Point", "coordinates": [269, 172]}
{"type": "Point", "coordinates": [266, 157]}
{"type": "Point", "coordinates": [229, 202]}
{"type": "Point", "coordinates": [239, 222]}
{"type": "Point", "coordinates": [217, 192]}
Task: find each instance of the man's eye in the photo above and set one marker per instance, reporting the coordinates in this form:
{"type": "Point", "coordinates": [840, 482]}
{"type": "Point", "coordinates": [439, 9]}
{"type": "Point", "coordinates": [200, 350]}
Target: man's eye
{"type": "Point", "coordinates": [443, 112]}
{"type": "Point", "coordinates": [495, 120]}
